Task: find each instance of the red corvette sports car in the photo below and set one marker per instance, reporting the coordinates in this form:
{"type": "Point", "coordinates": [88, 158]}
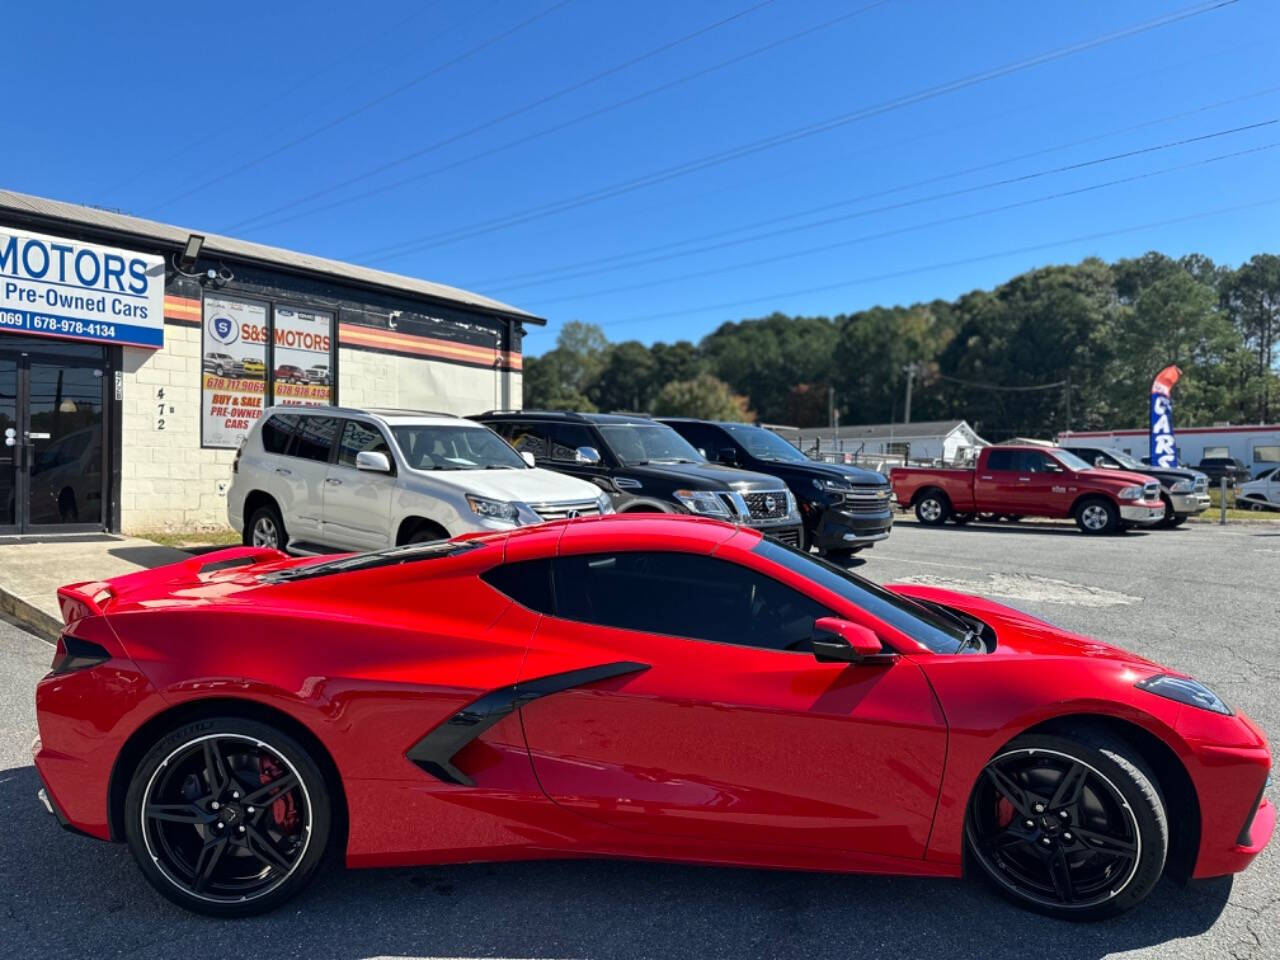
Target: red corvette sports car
{"type": "Point", "coordinates": [650, 687]}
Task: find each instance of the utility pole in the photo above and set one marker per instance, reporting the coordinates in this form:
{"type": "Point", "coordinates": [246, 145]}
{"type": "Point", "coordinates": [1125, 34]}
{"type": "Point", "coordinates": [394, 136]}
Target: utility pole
{"type": "Point", "coordinates": [910, 369]}
{"type": "Point", "coordinates": [1068, 401]}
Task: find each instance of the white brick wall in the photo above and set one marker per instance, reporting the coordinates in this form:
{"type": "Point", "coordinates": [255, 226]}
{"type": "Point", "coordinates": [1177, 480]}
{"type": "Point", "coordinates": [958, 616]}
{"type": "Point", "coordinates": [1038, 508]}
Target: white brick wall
{"type": "Point", "coordinates": [169, 483]}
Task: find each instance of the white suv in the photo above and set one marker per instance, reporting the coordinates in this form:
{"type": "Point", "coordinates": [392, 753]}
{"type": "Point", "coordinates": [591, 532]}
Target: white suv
{"type": "Point", "coordinates": [322, 478]}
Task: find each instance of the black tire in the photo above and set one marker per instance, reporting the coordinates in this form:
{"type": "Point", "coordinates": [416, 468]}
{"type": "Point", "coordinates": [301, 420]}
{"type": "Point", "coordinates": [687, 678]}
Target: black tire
{"type": "Point", "coordinates": [1060, 853]}
{"type": "Point", "coordinates": [252, 858]}
{"type": "Point", "coordinates": [1178, 520]}
{"type": "Point", "coordinates": [265, 523]}
{"type": "Point", "coordinates": [1097, 515]}
{"type": "Point", "coordinates": [425, 531]}
{"type": "Point", "coordinates": [933, 508]}
{"type": "Point", "coordinates": [988, 517]}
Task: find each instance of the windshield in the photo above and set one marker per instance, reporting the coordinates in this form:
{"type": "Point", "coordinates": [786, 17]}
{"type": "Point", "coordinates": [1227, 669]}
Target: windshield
{"type": "Point", "coordinates": [1071, 461]}
{"type": "Point", "coordinates": [1125, 460]}
{"type": "Point", "coordinates": [764, 444]}
{"type": "Point", "coordinates": [436, 447]}
{"type": "Point", "coordinates": [939, 632]}
{"type": "Point", "coordinates": [638, 443]}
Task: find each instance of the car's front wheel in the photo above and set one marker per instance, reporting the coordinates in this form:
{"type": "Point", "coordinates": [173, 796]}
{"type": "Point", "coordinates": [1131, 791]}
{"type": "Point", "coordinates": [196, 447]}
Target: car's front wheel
{"type": "Point", "coordinates": [1098, 515]}
{"type": "Point", "coordinates": [1071, 825]}
{"type": "Point", "coordinates": [228, 816]}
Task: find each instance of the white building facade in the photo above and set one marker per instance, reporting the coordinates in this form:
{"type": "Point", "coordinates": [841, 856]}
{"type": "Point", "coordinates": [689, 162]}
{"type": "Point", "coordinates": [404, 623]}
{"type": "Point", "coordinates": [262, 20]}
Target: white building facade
{"type": "Point", "coordinates": [1258, 446]}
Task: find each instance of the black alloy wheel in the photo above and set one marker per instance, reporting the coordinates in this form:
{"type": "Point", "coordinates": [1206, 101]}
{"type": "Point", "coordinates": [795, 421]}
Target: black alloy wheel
{"type": "Point", "coordinates": [1069, 826]}
{"type": "Point", "coordinates": [227, 817]}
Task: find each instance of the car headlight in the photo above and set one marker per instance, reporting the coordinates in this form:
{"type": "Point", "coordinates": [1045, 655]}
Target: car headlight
{"type": "Point", "coordinates": [1184, 690]}
{"type": "Point", "coordinates": [493, 509]}
{"type": "Point", "coordinates": [1130, 493]}
{"type": "Point", "coordinates": [605, 504]}
{"type": "Point", "coordinates": [791, 503]}
{"type": "Point", "coordinates": [1183, 486]}
{"type": "Point", "coordinates": [702, 502]}
{"type": "Point", "coordinates": [835, 486]}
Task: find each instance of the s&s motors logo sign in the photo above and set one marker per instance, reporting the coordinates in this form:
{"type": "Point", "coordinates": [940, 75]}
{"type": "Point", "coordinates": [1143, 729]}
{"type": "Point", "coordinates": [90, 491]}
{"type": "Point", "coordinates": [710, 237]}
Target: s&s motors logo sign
{"type": "Point", "coordinates": [224, 329]}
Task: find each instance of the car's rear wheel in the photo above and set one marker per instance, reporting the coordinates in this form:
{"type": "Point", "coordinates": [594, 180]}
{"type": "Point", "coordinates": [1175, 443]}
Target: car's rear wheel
{"type": "Point", "coordinates": [932, 508]}
{"type": "Point", "coordinates": [1071, 825]}
{"type": "Point", "coordinates": [266, 529]}
{"type": "Point", "coordinates": [228, 816]}
{"type": "Point", "coordinates": [1097, 515]}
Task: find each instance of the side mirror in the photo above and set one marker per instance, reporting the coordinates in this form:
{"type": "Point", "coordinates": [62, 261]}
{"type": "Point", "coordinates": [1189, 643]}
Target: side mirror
{"type": "Point", "coordinates": [373, 461]}
{"type": "Point", "coordinates": [527, 457]}
{"type": "Point", "coordinates": [727, 455]}
{"type": "Point", "coordinates": [852, 642]}
{"type": "Point", "coordinates": [588, 455]}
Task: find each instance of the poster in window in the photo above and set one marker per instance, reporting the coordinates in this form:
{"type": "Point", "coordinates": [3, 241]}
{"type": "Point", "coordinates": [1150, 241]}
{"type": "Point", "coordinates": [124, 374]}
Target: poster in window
{"type": "Point", "coordinates": [233, 360]}
{"type": "Point", "coordinates": [301, 357]}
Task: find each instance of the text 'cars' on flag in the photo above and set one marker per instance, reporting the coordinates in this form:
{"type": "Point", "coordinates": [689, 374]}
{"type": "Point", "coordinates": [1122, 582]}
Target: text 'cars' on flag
{"type": "Point", "coordinates": [1164, 451]}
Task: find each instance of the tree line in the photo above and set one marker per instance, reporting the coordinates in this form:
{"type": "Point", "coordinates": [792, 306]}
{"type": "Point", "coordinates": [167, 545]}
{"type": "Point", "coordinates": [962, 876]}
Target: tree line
{"type": "Point", "coordinates": [1057, 347]}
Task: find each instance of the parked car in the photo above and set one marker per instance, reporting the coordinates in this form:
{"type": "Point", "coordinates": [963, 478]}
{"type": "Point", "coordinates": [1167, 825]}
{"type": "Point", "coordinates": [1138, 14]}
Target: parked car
{"type": "Point", "coordinates": [1184, 492]}
{"type": "Point", "coordinates": [646, 467]}
{"type": "Point", "coordinates": [1215, 468]}
{"type": "Point", "coordinates": [253, 369]}
{"type": "Point", "coordinates": [844, 508]}
{"type": "Point", "coordinates": [318, 374]}
{"type": "Point", "coordinates": [320, 478]}
{"type": "Point", "coordinates": [1030, 481]}
{"type": "Point", "coordinates": [637, 687]}
{"type": "Point", "coordinates": [1262, 492]}
{"type": "Point", "coordinates": [223, 364]}
{"type": "Point", "coordinates": [288, 373]}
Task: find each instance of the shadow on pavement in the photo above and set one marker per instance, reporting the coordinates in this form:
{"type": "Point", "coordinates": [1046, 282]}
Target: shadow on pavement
{"type": "Point", "coordinates": [1034, 529]}
{"type": "Point", "coordinates": [67, 892]}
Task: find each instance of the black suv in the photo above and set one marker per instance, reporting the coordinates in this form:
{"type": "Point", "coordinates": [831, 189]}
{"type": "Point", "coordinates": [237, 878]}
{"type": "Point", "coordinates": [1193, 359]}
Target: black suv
{"type": "Point", "coordinates": [646, 467]}
{"type": "Point", "coordinates": [844, 508]}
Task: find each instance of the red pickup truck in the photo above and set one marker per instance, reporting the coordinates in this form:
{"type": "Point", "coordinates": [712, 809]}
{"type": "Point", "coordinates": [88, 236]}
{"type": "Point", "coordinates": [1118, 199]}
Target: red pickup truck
{"type": "Point", "coordinates": [1027, 481]}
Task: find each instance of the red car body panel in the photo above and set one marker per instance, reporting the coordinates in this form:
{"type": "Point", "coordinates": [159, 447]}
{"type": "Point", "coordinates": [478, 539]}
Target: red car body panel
{"type": "Point", "coordinates": [1015, 492]}
{"type": "Point", "coordinates": [702, 752]}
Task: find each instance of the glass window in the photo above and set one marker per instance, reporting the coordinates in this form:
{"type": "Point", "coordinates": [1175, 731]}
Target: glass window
{"type": "Point", "coordinates": [527, 438]}
{"type": "Point", "coordinates": [684, 595]}
{"type": "Point", "coordinates": [640, 443]}
{"type": "Point", "coordinates": [527, 582]}
{"type": "Point", "coordinates": [566, 438]}
{"type": "Point", "coordinates": [1002, 460]}
{"type": "Point", "coordinates": [1212, 453]}
{"type": "Point", "coordinates": [315, 438]}
{"type": "Point", "coordinates": [1266, 454]}
{"type": "Point", "coordinates": [469, 447]}
{"type": "Point", "coordinates": [924, 624]}
{"type": "Point", "coordinates": [278, 431]}
{"type": "Point", "coordinates": [764, 444]}
{"type": "Point", "coordinates": [1061, 458]}
{"type": "Point", "coordinates": [358, 437]}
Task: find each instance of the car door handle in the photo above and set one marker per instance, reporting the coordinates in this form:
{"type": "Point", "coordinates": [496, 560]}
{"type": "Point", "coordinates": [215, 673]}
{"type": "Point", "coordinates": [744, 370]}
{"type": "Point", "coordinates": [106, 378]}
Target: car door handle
{"type": "Point", "coordinates": [284, 472]}
{"type": "Point", "coordinates": [333, 481]}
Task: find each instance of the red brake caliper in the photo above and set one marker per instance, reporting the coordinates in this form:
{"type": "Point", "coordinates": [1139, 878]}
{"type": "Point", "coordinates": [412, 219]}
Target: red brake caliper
{"type": "Point", "coordinates": [283, 810]}
{"type": "Point", "coordinates": [1004, 812]}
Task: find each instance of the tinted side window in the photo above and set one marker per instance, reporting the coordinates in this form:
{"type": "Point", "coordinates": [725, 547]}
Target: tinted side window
{"type": "Point", "coordinates": [1002, 460]}
{"type": "Point", "coordinates": [526, 438]}
{"type": "Point", "coordinates": [566, 438]}
{"type": "Point", "coordinates": [710, 440]}
{"type": "Point", "coordinates": [278, 430]}
{"type": "Point", "coordinates": [359, 437]}
{"type": "Point", "coordinates": [527, 582]}
{"type": "Point", "coordinates": [683, 595]}
{"type": "Point", "coordinates": [315, 438]}
{"type": "Point", "coordinates": [1033, 462]}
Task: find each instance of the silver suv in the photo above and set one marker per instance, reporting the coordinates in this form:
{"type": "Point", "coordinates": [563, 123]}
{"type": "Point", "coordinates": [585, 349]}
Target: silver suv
{"type": "Point", "coordinates": [322, 478]}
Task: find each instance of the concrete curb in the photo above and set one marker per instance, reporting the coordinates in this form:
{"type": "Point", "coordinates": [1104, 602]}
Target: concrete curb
{"type": "Point", "coordinates": [30, 616]}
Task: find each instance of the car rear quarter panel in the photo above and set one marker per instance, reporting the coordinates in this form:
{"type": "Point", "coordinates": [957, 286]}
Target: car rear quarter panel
{"type": "Point", "coordinates": [956, 483]}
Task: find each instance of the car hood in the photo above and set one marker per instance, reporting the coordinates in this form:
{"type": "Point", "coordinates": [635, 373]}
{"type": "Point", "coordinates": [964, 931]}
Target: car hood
{"type": "Point", "coordinates": [859, 476]}
{"type": "Point", "coordinates": [704, 476]}
{"type": "Point", "coordinates": [532, 485]}
{"type": "Point", "coordinates": [1019, 634]}
{"type": "Point", "coordinates": [1116, 478]}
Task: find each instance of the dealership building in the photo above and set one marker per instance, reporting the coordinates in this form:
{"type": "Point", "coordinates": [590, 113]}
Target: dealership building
{"type": "Point", "coordinates": [135, 356]}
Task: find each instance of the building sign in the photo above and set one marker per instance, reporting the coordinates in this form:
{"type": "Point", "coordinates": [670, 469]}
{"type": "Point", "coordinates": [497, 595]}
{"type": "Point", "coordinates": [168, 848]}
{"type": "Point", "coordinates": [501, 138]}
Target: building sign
{"type": "Point", "coordinates": [301, 349]}
{"type": "Point", "coordinates": [55, 287]}
{"type": "Point", "coordinates": [233, 360]}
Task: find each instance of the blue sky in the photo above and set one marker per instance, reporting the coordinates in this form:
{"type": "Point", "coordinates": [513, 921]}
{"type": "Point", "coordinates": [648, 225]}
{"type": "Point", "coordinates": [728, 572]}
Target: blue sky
{"type": "Point", "coordinates": [661, 167]}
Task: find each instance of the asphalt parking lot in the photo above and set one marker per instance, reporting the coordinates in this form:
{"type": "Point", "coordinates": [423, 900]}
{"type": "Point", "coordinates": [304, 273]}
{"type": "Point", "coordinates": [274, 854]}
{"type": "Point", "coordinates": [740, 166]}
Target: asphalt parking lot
{"type": "Point", "coordinates": [1202, 599]}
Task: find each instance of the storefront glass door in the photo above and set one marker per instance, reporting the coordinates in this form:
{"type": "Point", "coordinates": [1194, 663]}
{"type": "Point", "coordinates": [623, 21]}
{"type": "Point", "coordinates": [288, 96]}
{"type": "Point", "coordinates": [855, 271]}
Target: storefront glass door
{"type": "Point", "coordinates": [52, 406]}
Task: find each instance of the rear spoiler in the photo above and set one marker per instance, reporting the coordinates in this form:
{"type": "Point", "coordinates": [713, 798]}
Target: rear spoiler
{"type": "Point", "coordinates": [92, 597]}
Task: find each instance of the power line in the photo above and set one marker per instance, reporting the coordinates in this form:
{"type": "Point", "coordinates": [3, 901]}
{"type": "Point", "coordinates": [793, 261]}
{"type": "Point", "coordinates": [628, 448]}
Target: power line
{"type": "Point", "coordinates": [565, 124]}
{"type": "Point", "coordinates": [510, 114]}
{"type": "Point", "coordinates": [996, 387]}
{"type": "Point", "coordinates": [367, 105]}
{"type": "Point", "coordinates": [882, 193]}
{"type": "Point", "coordinates": [326, 67]}
{"type": "Point", "coordinates": [882, 146]}
{"type": "Point", "coordinates": [943, 265]}
{"type": "Point", "coordinates": [406, 247]}
{"type": "Point", "coordinates": [823, 248]}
